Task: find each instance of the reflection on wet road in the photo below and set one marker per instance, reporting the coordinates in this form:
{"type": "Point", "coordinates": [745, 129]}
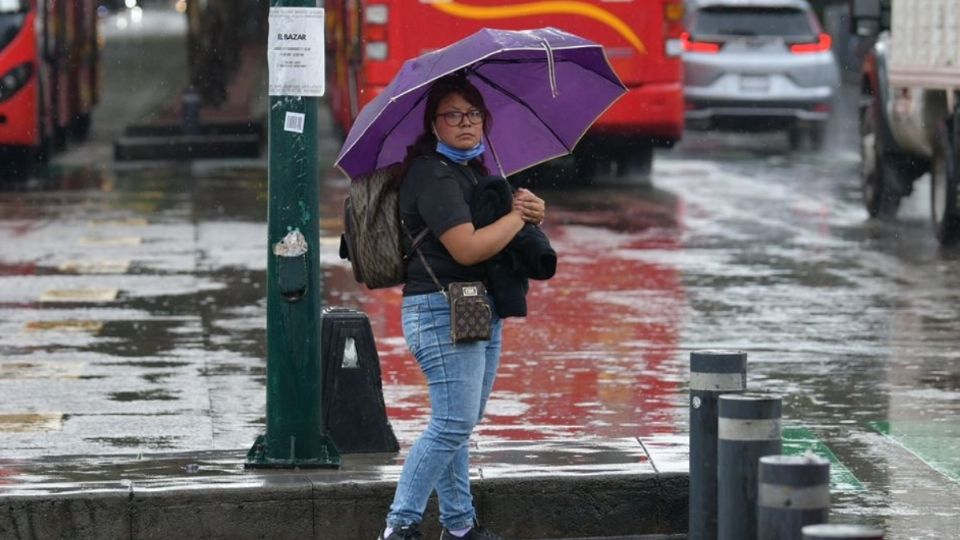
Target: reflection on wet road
{"type": "Point", "coordinates": [132, 317]}
{"type": "Point", "coordinates": [593, 356]}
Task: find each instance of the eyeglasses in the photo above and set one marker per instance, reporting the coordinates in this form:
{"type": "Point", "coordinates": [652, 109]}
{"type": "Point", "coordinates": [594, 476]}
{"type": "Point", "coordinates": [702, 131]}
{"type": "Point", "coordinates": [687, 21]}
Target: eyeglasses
{"type": "Point", "coordinates": [455, 118]}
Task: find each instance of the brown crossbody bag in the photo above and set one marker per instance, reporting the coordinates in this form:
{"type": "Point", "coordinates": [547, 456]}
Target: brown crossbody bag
{"type": "Point", "coordinates": [471, 315]}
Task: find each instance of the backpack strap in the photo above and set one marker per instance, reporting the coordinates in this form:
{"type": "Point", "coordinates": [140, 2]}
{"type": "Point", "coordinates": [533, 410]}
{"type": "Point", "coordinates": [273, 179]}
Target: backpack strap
{"type": "Point", "coordinates": [416, 247]}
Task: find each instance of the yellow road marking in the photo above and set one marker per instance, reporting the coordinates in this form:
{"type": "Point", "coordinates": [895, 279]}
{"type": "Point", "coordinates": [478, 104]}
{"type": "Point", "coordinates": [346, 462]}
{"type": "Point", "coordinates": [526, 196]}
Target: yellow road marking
{"type": "Point", "coordinates": [26, 422]}
{"type": "Point", "coordinates": [330, 223]}
{"type": "Point", "coordinates": [110, 241]}
{"type": "Point", "coordinates": [80, 295]}
{"type": "Point", "coordinates": [41, 370]}
{"type": "Point", "coordinates": [69, 325]}
{"type": "Point", "coordinates": [330, 242]}
{"type": "Point", "coordinates": [95, 267]}
{"type": "Point", "coordinates": [128, 222]}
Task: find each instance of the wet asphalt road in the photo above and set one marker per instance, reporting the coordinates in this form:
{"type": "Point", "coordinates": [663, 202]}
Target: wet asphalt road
{"type": "Point", "coordinates": [132, 316]}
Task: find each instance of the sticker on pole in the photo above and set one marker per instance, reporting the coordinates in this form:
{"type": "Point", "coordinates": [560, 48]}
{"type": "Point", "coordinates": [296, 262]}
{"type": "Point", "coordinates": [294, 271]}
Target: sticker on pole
{"type": "Point", "coordinates": [295, 51]}
{"type": "Point", "coordinates": [294, 121]}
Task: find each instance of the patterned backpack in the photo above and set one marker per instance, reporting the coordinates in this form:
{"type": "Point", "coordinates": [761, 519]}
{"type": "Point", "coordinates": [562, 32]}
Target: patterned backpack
{"type": "Point", "coordinates": [373, 236]}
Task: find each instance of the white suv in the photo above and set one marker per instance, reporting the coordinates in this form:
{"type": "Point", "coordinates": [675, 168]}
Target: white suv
{"type": "Point", "coordinates": [758, 65]}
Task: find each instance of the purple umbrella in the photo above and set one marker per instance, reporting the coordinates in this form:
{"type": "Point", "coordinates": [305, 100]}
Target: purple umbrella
{"type": "Point", "coordinates": [544, 89]}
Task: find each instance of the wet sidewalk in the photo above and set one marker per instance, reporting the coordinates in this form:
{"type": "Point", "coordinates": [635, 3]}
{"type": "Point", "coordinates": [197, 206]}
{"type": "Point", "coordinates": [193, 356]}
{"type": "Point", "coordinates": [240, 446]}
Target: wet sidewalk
{"type": "Point", "coordinates": [132, 331]}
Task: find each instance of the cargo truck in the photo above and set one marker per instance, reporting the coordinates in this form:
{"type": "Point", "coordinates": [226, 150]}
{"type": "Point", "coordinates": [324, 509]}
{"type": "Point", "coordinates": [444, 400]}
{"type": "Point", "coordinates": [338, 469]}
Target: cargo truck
{"type": "Point", "coordinates": [909, 115]}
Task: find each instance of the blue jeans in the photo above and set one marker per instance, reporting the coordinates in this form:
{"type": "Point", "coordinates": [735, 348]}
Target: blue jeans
{"type": "Point", "coordinates": [459, 379]}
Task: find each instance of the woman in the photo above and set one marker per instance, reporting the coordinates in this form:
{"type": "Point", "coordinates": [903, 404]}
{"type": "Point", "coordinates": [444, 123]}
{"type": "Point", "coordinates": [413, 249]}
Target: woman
{"type": "Point", "coordinates": [442, 168]}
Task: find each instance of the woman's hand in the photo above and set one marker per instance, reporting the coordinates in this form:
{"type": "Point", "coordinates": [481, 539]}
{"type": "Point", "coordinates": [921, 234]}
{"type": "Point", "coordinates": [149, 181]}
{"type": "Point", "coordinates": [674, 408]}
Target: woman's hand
{"type": "Point", "coordinates": [532, 208]}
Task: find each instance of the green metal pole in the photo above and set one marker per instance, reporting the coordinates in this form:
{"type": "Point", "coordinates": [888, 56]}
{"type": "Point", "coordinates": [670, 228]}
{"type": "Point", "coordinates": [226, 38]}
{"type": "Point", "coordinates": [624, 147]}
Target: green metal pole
{"type": "Point", "coordinates": [296, 435]}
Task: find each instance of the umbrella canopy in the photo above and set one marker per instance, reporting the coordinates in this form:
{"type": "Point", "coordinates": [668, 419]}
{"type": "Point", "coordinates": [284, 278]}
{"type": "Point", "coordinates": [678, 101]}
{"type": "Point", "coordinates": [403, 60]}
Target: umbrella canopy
{"type": "Point", "coordinates": [544, 88]}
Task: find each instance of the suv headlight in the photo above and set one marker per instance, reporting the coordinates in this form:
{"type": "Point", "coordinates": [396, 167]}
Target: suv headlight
{"type": "Point", "coordinates": [15, 79]}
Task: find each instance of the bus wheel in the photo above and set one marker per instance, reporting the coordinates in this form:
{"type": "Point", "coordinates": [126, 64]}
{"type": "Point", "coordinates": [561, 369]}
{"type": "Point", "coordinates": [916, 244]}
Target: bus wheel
{"type": "Point", "coordinates": [944, 207]}
{"type": "Point", "coordinates": [585, 159]}
{"type": "Point", "coordinates": [17, 162]}
{"type": "Point", "coordinates": [81, 127]}
{"type": "Point", "coordinates": [635, 161]}
{"type": "Point", "coordinates": [60, 136]}
{"type": "Point", "coordinates": [43, 152]}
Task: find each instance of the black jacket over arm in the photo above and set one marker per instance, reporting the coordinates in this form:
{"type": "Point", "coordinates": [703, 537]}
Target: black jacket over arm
{"type": "Point", "coordinates": [528, 255]}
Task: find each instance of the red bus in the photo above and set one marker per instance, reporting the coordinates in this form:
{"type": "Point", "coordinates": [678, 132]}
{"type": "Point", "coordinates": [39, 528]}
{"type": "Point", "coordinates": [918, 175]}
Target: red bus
{"type": "Point", "coordinates": [368, 40]}
{"type": "Point", "coordinates": [49, 72]}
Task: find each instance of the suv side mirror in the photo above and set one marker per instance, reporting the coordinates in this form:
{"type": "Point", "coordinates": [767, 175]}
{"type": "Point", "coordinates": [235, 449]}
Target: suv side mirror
{"type": "Point", "coordinates": [867, 17]}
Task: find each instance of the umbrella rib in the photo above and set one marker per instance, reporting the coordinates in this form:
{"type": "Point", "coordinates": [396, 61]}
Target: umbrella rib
{"type": "Point", "coordinates": [386, 136]}
{"type": "Point", "coordinates": [542, 61]}
{"type": "Point", "coordinates": [514, 97]}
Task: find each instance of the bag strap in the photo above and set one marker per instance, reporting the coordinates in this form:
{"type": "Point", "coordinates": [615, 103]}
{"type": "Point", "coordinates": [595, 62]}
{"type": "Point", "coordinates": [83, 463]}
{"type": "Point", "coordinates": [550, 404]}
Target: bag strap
{"type": "Point", "coordinates": [414, 242]}
{"type": "Point", "coordinates": [416, 247]}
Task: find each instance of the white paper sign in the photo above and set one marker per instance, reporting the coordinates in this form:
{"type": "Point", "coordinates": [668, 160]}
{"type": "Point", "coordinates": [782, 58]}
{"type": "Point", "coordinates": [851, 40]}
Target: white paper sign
{"type": "Point", "coordinates": [295, 51]}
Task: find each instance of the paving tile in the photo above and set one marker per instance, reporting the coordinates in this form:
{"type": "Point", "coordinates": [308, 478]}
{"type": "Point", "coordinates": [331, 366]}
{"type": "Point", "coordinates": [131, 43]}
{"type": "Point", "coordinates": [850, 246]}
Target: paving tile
{"type": "Point", "coordinates": [669, 453]}
{"type": "Point", "coordinates": [511, 459]}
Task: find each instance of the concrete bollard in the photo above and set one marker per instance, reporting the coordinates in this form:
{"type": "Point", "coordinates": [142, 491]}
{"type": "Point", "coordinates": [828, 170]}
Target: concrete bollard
{"type": "Point", "coordinates": [748, 428]}
{"type": "Point", "coordinates": [712, 373]}
{"type": "Point", "coordinates": [793, 491]}
{"type": "Point", "coordinates": [838, 532]}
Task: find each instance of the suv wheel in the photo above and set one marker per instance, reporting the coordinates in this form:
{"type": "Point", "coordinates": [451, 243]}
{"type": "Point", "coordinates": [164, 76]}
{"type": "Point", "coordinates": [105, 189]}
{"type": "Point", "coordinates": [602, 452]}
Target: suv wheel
{"type": "Point", "coordinates": [795, 138]}
{"type": "Point", "coordinates": [818, 133]}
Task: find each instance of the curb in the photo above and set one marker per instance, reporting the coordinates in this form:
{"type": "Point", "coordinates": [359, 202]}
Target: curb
{"type": "Point", "coordinates": [298, 505]}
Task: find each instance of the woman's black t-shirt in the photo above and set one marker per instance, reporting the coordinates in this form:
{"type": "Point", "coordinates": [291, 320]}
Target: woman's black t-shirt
{"type": "Point", "coordinates": [435, 194]}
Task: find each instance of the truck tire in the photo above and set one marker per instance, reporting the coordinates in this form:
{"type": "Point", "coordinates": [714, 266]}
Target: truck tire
{"type": "Point", "coordinates": [881, 181]}
{"type": "Point", "coordinates": [944, 207]}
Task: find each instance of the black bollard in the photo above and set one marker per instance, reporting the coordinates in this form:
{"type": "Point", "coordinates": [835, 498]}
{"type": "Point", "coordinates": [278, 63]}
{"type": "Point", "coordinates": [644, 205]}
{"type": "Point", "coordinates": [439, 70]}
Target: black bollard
{"type": "Point", "coordinates": [355, 412]}
{"type": "Point", "coordinates": [748, 428]}
{"type": "Point", "coordinates": [712, 373]}
{"type": "Point", "coordinates": [793, 491]}
{"type": "Point", "coordinates": [841, 532]}
{"type": "Point", "coordinates": [190, 111]}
